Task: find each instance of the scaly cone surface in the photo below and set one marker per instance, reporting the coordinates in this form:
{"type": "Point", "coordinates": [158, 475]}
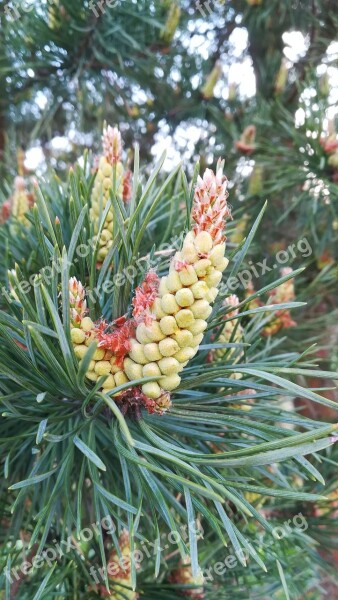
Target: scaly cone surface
{"type": "Point", "coordinates": [169, 333]}
{"type": "Point", "coordinates": [183, 576]}
{"type": "Point", "coordinates": [110, 176]}
{"type": "Point", "coordinates": [169, 314]}
{"type": "Point", "coordinates": [119, 573]}
{"type": "Point", "coordinates": [119, 570]}
{"type": "Point", "coordinates": [20, 200]}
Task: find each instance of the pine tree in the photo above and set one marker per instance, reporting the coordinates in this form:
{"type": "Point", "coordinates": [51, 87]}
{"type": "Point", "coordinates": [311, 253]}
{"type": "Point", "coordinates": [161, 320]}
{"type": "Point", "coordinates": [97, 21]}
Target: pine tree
{"type": "Point", "coordinates": [140, 451]}
{"type": "Point", "coordinates": [99, 461]}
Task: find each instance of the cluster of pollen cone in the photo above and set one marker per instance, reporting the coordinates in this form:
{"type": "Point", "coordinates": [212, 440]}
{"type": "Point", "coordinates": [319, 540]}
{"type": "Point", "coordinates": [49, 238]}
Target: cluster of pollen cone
{"type": "Point", "coordinates": [169, 314]}
{"type": "Point", "coordinates": [111, 176]}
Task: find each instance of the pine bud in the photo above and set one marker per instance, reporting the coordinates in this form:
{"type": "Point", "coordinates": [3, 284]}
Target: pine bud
{"type": "Point", "coordinates": [172, 22]}
{"type": "Point", "coordinates": [169, 365]}
{"type": "Point", "coordinates": [152, 352]}
{"type": "Point", "coordinates": [182, 575]}
{"type": "Point", "coordinates": [168, 314]}
{"type": "Point", "coordinates": [184, 297]}
{"type": "Point", "coordinates": [281, 78]}
{"type": "Point", "coordinates": [119, 570]}
{"type": "Point", "coordinates": [207, 90]}
{"type": "Point", "coordinates": [110, 171]}
{"type": "Point", "coordinates": [168, 347]}
{"type": "Point", "coordinates": [168, 325]}
{"type": "Point", "coordinates": [20, 200]}
{"type": "Point", "coordinates": [152, 390]}
{"type": "Point", "coordinates": [255, 186]}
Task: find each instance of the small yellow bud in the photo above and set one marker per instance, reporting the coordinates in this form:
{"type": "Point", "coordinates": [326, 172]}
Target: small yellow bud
{"type": "Point", "coordinates": [184, 354]}
{"type": "Point", "coordinates": [170, 382]}
{"type": "Point", "coordinates": [102, 164]}
{"type": "Point", "coordinates": [184, 297]}
{"type": "Point", "coordinates": [184, 318]}
{"type": "Point", "coordinates": [168, 347]}
{"type": "Point", "coordinates": [105, 236]}
{"type": "Point", "coordinates": [152, 390]}
{"type": "Point", "coordinates": [169, 304]}
{"type": "Point", "coordinates": [132, 369]}
{"type": "Point", "coordinates": [198, 326]}
{"type": "Point", "coordinates": [203, 242]}
{"type": "Point", "coordinates": [163, 286]}
{"type": "Point", "coordinates": [169, 365]}
{"type": "Point", "coordinates": [188, 275]}
{"type": "Point", "coordinates": [102, 367]}
{"type": "Point", "coordinates": [137, 353]}
{"type": "Point", "coordinates": [199, 290]}
{"type": "Point", "coordinates": [217, 254]}
{"type": "Point", "coordinates": [80, 351]}
{"type": "Point", "coordinates": [87, 324]}
{"type": "Point", "coordinates": [222, 264]}
{"type": "Point", "coordinates": [168, 325]}
{"type": "Point", "coordinates": [183, 337]}
{"type": "Point", "coordinates": [154, 331]}
{"type": "Point", "coordinates": [102, 253]}
{"type": "Point", "coordinates": [152, 352]}
{"type": "Point", "coordinates": [106, 168]}
{"type": "Point", "coordinates": [107, 183]}
{"type": "Point", "coordinates": [212, 294]}
{"type": "Point", "coordinates": [141, 334]}
{"type": "Point", "coordinates": [151, 369]}
{"type": "Point", "coordinates": [201, 266]}
{"type": "Point", "coordinates": [98, 354]}
{"type": "Point", "coordinates": [120, 378]}
{"type": "Point", "coordinates": [189, 253]}
{"type": "Point", "coordinates": [157, 309]}
{"type": "Point", "coordinates": [92, 376]}
{"type": "Point", "coordinates": [77, 336]}
{"type": "Point", "coordinates": [197, 339]}
{"type": "Point", "coordinates": [113, 366]}
{"type": "Point", "coordinates": [213, 278]}
{"type": "Point", "coordinates": [201, 309]}
{"type": "Point", "coordinates": [189, 238]}
{"type": "Point", "coordinates": [173, 282]}
{"type": "Point", "coordinates": [109, 384]}
{"type": "Point", "coordinates": [92, 365]}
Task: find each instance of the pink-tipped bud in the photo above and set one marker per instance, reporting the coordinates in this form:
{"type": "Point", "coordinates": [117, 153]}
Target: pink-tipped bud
{"type": "Point", "coordinates": [19, 184]}
{"type": "Point", "coordinates": [210, 208]}
{"type": "Point", "coordinates": [112, 144]}
{"type": "Point", "coordinates": [232, 301]}
{"type": "Point", "coordinates": [144, 298]}
{"type": "Point", "coordinates": [77, 302]}
{"type": "Point", "coordinates": [246, 143]}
